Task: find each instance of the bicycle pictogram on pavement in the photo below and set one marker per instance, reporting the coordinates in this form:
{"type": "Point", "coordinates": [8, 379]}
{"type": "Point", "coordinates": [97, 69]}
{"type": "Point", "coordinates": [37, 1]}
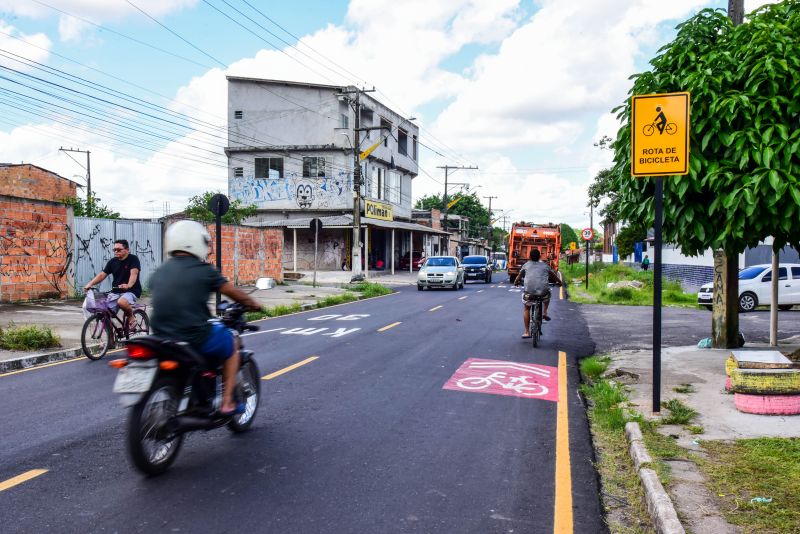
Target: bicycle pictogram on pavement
{"type": "Point", "coordinates": [506, 378]}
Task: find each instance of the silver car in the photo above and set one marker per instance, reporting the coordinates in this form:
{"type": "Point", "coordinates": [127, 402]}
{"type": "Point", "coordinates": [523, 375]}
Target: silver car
{"type": "Point", "coordinates": [441, 271]}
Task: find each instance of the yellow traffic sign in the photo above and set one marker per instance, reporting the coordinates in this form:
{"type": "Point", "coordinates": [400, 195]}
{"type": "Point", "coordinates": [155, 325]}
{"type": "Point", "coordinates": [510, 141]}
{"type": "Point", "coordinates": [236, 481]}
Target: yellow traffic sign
{"type": "Point", "coordinates": [660, 134]}
{"type": "Point", "coordinates": [573, 245]}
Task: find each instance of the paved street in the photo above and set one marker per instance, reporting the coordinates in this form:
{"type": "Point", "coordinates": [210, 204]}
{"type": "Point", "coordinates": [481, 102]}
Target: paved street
{"type": "Point", "coordinates": [364, 438]}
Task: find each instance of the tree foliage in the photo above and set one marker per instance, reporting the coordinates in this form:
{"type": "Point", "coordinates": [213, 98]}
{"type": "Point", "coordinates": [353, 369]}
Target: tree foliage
{"type": "Point", "coordinates": [627, 238]}
{"type": "Point", "coordinates": [744, 179]}
{"type": "Point", "coordinates": [198, 210]}
{"type": "Point", "coordinates": [469, 206]}
{"type": "Point", "coordinates": [568, 236]}
{"type": "Point", "coordinates": [84, 208]}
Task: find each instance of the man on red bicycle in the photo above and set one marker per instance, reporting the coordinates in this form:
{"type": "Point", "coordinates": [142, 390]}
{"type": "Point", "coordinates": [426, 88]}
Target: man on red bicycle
{"type": "Point", "coordinates": [124, 269]}
{"type": "Point", "coordinates": [536, 276]}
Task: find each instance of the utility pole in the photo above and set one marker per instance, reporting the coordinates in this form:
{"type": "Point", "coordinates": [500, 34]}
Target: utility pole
{"type": "Point", "coordinates": [355, 103]}
{"type": "Point", "coordinates": [725, 313]}
{"type": "Point", "coordinates": [490, 223]}
{"type": "Point", "coordinates": [447, 169]}
{"type": "Point", "coordinates": [88, 176]}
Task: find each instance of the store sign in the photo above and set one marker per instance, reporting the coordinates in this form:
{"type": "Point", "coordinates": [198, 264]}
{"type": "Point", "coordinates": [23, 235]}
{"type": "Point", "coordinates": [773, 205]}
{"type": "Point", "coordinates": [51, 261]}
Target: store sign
{"type": "Point", "coordinates": [377, 210]}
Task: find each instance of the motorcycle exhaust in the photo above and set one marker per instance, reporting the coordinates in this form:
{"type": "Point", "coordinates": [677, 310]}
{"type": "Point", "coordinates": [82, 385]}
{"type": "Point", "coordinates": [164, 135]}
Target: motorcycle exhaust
{"type": "Point", "coordinates": [187, 423]}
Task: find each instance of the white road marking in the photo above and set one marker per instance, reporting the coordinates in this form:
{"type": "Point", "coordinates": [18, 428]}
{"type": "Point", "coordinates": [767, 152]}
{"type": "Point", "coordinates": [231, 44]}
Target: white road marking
{"type": "Point", "coordinates": [517, 366]}
{"type": "Point", "coordinates": [341, 332]}
{"type": "Point", "coordinates": [462, 298]}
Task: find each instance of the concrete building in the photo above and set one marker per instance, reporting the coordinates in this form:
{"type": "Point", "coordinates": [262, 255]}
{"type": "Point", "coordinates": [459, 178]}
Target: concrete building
{"type": "Point", "coordinates": [290, 153]}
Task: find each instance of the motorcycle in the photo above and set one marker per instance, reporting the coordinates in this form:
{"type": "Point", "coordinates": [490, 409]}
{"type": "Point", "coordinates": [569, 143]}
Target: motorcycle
{"type": "Point", "coordinates": [172, 390]}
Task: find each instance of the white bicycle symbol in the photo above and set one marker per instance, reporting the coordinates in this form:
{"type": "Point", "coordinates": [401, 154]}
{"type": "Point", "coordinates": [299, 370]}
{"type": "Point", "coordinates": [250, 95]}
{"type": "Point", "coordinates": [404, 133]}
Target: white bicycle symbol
{"type": "Point", "coordinates": [519, 384]}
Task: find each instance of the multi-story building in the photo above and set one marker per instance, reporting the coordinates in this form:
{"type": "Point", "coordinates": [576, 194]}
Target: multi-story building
{"type": "Point", "coordinates": [290, 153]}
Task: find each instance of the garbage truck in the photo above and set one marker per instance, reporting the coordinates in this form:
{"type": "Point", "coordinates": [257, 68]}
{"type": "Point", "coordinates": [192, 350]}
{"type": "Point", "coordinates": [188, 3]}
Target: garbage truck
{"type": "Point", "coordinates": [525, 236]}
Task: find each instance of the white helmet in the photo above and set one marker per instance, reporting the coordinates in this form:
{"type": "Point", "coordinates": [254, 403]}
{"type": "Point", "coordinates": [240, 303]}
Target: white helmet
{"type": "Point", "coordinates": [188, 236]}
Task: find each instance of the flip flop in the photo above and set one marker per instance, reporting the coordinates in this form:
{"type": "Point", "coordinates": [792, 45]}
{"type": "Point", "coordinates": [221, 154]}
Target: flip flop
{"type": "Point", "coordinates": [526, 336]}
{"type": "Point", "coordinates": [545, 317]}
{"type": "Point", "coordinates": [236, 411]}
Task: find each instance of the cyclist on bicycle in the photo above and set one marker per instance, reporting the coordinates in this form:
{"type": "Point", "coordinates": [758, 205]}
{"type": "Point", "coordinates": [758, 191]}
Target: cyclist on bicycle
{"type": "Point", "coordinates": [124, 269]}
{"type": "Point", "coordinates": [536, 275]}
{"type": "Point", "coordinates": [181, 288]}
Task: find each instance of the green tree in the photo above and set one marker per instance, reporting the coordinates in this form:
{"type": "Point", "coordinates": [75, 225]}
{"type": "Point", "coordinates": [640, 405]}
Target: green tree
{"type": "Point", "coordinates": [499, 239]}
{"type": "Point", "coordinates": [83, 208]}
{"type": "Point", "coordinates": [568, 236]}
{"type": "Point", "coordinates": [468, 206]}
{"type": "Point", "coordinates": [743, 183]}
{"type": "Point", "coordinates": [627, 237]}
{"type": "Point", "coordinates": [198, 210]}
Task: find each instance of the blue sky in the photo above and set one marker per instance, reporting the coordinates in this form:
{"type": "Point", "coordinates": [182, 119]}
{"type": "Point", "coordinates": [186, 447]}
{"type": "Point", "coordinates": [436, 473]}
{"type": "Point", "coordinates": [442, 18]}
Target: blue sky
{"type": "Point", "coordinates": [520, 88]}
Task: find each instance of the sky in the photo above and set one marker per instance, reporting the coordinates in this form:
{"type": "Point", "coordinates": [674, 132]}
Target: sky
{"type": "Point", "coordinates": [522, 89]}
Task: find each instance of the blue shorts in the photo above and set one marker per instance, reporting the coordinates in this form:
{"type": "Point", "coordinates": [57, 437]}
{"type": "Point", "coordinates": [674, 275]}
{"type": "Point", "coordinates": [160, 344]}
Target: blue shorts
{"type": "Point", "coordinates": [219, 345]}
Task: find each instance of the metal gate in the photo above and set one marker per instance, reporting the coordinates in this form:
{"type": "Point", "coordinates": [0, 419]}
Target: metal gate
{"type": "Point", "coordinates": [94, 242]}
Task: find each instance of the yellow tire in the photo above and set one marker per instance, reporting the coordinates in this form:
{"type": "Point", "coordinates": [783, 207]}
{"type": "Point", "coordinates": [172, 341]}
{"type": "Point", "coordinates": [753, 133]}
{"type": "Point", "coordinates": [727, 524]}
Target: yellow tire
{"type": "Point", "coordinates": [766, 381]}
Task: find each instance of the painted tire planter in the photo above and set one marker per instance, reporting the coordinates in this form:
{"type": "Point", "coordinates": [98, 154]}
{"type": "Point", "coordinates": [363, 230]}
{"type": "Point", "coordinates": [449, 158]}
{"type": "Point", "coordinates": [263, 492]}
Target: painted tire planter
{"type": "Point", "coordinates": [766, 381]}
{"type": "Point", "coordinates": [728, 385]}
{"type": "Point", "coordinates": [767, 404]}
{"type": "Point", "coordinates": [730, 365]}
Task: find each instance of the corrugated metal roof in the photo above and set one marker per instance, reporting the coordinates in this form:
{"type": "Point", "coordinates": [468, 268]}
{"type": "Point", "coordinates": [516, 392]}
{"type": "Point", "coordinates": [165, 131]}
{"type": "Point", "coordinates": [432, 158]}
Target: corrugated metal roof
{"type": "Point", "coordinates": [345, 221]}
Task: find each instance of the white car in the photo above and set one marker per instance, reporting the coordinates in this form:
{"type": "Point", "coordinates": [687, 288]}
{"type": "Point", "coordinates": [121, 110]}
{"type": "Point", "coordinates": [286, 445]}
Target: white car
{"type": "Point", "coordinates": [755, 287]}
{"type": "Point", "coordinates": [441, 271]}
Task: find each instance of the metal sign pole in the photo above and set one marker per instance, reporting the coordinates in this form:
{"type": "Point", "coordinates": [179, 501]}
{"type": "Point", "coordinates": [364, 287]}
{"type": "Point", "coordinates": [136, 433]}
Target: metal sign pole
{"type": "Point", "coordinates": [316, 238]}
{"type": "Point", "coordinates": [659, 208]}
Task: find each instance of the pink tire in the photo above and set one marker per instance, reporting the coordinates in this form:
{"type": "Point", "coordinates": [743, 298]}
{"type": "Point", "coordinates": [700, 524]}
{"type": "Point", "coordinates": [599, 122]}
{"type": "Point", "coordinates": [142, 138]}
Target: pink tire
{"type": "Point", "coordinates": [767, 404]}
{"type": "Point", "coordinates": [728, 385]}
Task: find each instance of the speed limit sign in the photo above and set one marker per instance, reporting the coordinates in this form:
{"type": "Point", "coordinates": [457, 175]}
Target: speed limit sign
{"type": "Point", "coordinates": [587, 234]}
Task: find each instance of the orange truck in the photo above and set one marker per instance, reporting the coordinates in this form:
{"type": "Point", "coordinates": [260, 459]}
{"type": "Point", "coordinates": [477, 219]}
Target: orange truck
{"type": "Point", "coordinates": [526, 236]}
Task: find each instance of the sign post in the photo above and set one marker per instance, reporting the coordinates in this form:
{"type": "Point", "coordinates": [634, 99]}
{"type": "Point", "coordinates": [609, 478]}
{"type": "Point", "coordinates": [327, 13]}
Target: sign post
{"type": "Point", "coordinates": [659, 147]}
{"type": "Point", "coordinates": [315, 225]}
{"type": "Point", "coordinates": [219, 205]}
{"type": "Point", "coordinates": [587, 235]}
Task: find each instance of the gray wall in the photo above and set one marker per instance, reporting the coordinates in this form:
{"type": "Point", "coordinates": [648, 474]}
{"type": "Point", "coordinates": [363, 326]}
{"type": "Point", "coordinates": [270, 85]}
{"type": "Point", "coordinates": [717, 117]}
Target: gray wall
{"type": "Point", "coordinates": [763, 254]}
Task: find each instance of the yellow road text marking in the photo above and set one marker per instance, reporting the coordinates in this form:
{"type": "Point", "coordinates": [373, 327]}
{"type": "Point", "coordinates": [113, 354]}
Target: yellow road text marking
{"type": "Point", "coordinates": [388, 326]}
{"type": "Point", "coordinates": [562, 517]}
{"type": "Point", "coordinates": [435, 308]}
{"type": "Point", "coordinates": [290, 368]}
{"type": "Point", "coordinates": [19, 479]}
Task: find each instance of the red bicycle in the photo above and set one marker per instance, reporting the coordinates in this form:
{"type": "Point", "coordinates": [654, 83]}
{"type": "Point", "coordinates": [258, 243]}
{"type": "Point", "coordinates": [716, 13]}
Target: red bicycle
{"type": "Point", "coordinates": [104, 328]}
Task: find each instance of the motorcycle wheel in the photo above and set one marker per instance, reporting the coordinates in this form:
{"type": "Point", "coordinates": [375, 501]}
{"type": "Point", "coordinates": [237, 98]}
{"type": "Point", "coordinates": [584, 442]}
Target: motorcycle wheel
{"type": "Point", "coordinates": [151, 447]}
{"type": "Point", "coordinates": [248, 390]}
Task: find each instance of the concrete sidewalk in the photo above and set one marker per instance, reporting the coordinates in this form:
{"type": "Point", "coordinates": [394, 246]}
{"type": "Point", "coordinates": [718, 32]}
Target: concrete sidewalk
{"type": "Point", "coordinates": [66, 318]}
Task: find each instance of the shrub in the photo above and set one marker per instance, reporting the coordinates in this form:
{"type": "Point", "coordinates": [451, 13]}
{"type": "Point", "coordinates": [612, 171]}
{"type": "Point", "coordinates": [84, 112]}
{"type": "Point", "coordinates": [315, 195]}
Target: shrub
{"type": "Point", "coordinates": [30, 337]}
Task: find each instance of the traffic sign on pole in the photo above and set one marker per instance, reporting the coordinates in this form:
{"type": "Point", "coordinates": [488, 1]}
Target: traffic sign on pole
{"type": "Point", "coordinates": [587, 234]}
{"type": "Point", "coordinates": [660, 134]}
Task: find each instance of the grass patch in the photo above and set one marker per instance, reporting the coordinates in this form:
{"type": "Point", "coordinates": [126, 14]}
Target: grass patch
{"type": "Point", "coordinates": [684, 388]}
{"type": "Point", "coordinates": [369, 289]}
{"type": "Point", "coordinates": [333, 300]}
{"type": "Point", "coordinates": [275, 311]}
{"type": "Point", "coordinates": [594, 367]}
{"type": "Point", "coordinates": [745, 469]}
{"type": "Point", "coordinates": [601, 274]}
{"type": "Point", "coordinates": [30, 337]}
{"type": "Point", "coordinates": [695, 429]}
{"type": "Point", "coordinates": [608, 398]}
{"type": "Point", "coordinates": [679, 413]}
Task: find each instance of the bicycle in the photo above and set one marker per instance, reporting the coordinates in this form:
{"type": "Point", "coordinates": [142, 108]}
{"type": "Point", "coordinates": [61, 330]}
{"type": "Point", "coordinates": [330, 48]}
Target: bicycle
{"type": "Point", "coordinates": [649, 129]}
{"type": "Point", "coordinates": [105, 328]}
{"type": "Point", "coordinates": [536, 319]}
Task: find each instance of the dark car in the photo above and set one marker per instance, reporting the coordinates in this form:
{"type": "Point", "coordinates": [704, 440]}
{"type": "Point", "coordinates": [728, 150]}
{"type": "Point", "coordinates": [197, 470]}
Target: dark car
{"type": "Point", "coordinates": [477, 268]}
{"type": "Point", "coordinates": [419, 257]}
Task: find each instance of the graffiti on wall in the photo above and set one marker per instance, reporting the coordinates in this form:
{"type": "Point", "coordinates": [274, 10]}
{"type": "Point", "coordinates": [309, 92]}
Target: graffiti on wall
{"type": "Point", "coordinates": [305, 193]}
{"type": "Point", "coordinates": [22, 242]}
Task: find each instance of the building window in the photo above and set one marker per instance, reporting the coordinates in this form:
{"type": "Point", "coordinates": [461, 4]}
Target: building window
{"type": "Point", "coordinates": [378, 179]}
{"type": "Point", "coordinates": [238, 172]}
{"type": "Point", "coordinates": [402, 142]}
{"type": "Point", "coordinates": [313, 167]}
{"type": "Point", "coordinates": [414, 147]}
{"type": "Point", "coordinates": [237, 114]}
{"type": "Point", "coordinates": [386, 131]}
{"type": "Point", "coordinates": [269, 168]}
{"type": "Point", "coordinates": [345, 121]}
{"type": "Point", "coordinates": [393, 188]}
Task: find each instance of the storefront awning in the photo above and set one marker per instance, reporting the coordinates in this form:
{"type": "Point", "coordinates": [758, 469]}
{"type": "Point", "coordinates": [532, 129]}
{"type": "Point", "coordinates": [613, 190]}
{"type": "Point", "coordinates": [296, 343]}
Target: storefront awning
{"type": "Point", "coordinates": [346, 221]}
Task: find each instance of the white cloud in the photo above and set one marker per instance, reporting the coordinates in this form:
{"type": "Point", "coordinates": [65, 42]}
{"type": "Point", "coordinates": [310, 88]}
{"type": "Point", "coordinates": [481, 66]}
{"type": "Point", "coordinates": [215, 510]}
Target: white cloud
{"type": "Point", "coordinates": [11, 41]}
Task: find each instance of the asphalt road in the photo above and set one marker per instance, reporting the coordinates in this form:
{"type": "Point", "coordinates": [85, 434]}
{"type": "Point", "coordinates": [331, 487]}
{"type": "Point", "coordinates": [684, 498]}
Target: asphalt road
{"type": "Point", "coordinates": [363, 438]}
{"type": "Point", "coordinates": [631, 327]}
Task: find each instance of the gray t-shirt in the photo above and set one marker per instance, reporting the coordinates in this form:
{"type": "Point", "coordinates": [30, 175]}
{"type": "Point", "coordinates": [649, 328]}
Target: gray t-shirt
{"type": "Point", "coordinates": [181, 288]}
{"type": "Point", "coordinates": [537, 274]}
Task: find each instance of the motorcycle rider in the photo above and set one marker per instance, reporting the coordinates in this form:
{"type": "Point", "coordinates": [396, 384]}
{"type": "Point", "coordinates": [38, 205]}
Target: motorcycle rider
{"type": "Point", "coordinates": [181, 288]}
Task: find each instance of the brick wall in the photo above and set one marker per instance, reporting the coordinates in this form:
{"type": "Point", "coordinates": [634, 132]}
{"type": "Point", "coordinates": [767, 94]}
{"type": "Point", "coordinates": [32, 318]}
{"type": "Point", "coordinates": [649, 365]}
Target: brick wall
{"type": "Point", "coordinates": [249, 252]}
{"type": "Point", "coordinates": [35, 249]}
{"type": "Point", "coordinates": [32, 182]}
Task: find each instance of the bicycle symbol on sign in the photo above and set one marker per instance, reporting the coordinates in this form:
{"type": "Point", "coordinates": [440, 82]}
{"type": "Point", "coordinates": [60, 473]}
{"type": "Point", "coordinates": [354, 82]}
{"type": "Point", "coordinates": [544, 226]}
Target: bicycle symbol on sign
{"type": "Point", "coordinates": [518, 384]}
{"type": "Point", "coordinates": [660, 124]}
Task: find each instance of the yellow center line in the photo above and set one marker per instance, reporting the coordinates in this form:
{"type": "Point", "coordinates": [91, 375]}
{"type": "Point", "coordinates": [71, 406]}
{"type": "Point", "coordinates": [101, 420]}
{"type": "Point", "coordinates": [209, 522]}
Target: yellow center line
{"type": "Point", "coordinates": [290, 368]}
{"type": "Point", "coordinates": [435, 308]}
{"type": "Point", "coordinates": [19, 479]}
{"type": "Point", "coordinates": [561, 293]}
{"type": "Point", "coordinates": [562, 517]}
{"type": "Point", "coordinates": [388, 326]}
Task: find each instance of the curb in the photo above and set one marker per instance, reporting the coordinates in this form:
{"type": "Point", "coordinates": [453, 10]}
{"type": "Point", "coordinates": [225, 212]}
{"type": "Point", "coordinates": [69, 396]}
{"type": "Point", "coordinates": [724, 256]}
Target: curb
{"type": "Point", "coordinates": [659, 504]}
{"type": "Point", "coordinates": [26, 362]}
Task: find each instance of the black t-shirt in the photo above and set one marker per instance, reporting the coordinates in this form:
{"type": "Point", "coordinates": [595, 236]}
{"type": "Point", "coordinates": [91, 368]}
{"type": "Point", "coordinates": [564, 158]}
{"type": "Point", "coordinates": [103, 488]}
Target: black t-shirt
{"type": "Point", "coordinates": [120, 271]}
{"type": "Point", "coordinates": [181, 288]}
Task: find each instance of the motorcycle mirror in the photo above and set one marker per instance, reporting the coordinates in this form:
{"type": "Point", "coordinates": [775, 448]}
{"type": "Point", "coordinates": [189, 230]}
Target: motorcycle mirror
{"type": "Point", "coordinates": [265, 283]}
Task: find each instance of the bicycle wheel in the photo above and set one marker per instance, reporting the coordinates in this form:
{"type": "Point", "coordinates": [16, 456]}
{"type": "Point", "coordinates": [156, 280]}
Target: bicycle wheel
{"type": "Point", "coordinates": [96, 337]}
{"type": "Point", "coordinates": [648, 129]}
{"type": "Point", "coordinates": [536, 326]}
{"type": "Point", "coordinates": [671, 128]}
{"type": "Point", "coordinates": [474, 382]}
{"type": "Point", "coordinates": [142, 326]}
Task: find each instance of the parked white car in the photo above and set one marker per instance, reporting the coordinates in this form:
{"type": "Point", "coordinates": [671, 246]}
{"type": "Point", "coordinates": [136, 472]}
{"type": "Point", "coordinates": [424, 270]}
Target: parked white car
{"type": "Point", "coordinates": [755, 287]}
